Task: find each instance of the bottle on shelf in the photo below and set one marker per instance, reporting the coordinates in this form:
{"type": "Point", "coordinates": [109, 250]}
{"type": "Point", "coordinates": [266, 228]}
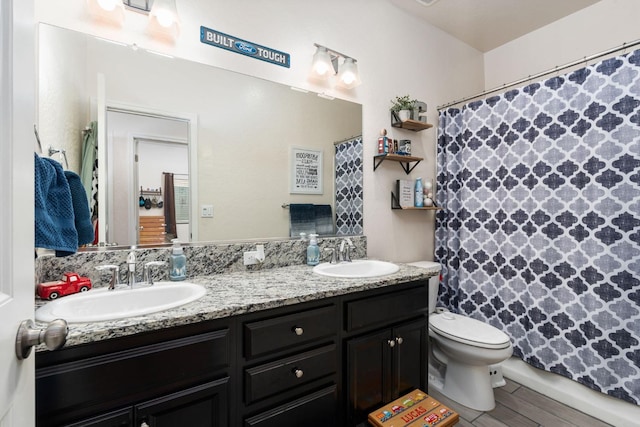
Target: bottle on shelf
{"type": "Point", "coordinates": [419, 199]}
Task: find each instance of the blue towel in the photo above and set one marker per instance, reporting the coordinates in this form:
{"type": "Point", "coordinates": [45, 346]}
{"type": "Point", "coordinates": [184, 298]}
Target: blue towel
{"type": "Point", "coordinates": [82, 215]}
{"type": "Point", "coordinates": [302, 219]}
{"type": "Point", "coordinates": [54, 217]}
{"type": "Point", "coordinates": [324, 219]}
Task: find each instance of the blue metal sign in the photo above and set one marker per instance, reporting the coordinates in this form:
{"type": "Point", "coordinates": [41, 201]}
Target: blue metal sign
{"type": "Point", "coordinates": [243, 47]}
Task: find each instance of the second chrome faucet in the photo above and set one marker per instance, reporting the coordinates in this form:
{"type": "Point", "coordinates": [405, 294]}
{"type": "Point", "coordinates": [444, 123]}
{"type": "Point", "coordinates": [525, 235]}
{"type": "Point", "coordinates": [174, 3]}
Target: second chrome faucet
{"type": "Point", "coordinates": [131, 272]}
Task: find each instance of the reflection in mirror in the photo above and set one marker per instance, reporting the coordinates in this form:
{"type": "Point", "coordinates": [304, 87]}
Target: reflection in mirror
{"type": "Point", "coordinates": [147, 178]}
{"type": "Point", "coordinates": [245, 129]}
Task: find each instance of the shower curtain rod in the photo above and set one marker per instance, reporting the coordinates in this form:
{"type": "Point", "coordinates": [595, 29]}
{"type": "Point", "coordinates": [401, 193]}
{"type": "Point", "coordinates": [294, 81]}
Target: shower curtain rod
{"type": "Point", "coordinates": [544, 73]}
{"type": "Point", "coordinates": [351, 138]}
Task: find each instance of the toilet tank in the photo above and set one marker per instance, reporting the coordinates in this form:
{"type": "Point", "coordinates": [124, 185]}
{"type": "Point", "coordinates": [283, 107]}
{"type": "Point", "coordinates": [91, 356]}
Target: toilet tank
{"type": "Point", "coordinates": [434, 282]}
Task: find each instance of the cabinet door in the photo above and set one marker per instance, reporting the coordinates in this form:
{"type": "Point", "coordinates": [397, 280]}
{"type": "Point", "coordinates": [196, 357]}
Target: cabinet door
{"type": "Point", "coordinates": [410, 357]}
{"type": "Point", "coordinates": [368, 374]}
{"type": "Point", "coordinates": [206, 405]}
{"type": "Point", "coordinates": [121, 418]}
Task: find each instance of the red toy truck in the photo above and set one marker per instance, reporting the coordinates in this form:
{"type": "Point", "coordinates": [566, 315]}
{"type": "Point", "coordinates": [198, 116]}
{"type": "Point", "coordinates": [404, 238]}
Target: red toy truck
{"type": "Point", "coordinates": [70, 284]}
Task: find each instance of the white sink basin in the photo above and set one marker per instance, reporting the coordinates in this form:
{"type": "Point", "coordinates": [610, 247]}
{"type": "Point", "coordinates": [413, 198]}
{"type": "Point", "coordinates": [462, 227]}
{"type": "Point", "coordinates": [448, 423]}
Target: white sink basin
{"type": "Point", "coordinates": [356, 269]}
{"type": "Point", "coordinates": [101, 304]}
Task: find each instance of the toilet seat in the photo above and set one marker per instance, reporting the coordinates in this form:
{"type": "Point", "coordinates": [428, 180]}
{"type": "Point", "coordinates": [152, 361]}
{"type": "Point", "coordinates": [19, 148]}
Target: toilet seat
{"type": "Point", "coordinates": [467, 330]}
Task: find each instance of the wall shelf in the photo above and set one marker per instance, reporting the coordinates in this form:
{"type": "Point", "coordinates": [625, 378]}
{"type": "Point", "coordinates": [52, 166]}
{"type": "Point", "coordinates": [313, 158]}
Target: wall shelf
{"type": "Point", "coordinates": [405, 161]}
{"type": "Point", "coordinates": [412, 125]}
{"type": "Point", "coordinates": [396, 205]}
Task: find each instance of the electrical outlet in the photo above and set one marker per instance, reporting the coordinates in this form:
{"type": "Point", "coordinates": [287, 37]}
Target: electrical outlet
{"type": "Point", "coordinates": [250, 257]}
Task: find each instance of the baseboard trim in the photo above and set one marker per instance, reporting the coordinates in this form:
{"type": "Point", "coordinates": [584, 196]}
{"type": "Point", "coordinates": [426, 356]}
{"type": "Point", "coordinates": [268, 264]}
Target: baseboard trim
{"type": "Point", "coordinates": [571, 393]}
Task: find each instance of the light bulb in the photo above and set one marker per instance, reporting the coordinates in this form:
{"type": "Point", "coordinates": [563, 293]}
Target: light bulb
{"type": "Point", "coordinates": [321, 68]}
{"type": "Point", "coordinates": [348, 78]}
{"type": "Point", "coordinates": [165, 18]}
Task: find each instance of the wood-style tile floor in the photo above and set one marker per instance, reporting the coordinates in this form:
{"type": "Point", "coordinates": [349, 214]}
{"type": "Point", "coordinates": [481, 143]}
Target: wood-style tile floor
{"type": "Point", "coordinates": [519, 406]}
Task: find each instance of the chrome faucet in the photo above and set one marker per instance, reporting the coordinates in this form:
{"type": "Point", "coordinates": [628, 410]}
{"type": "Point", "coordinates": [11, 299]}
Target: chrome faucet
{"type": "Point", "coordinates": [148, 277]}
{"type": "Point", "coordinates": [345, 250]}
{"type": "Point", "coordinates": [115, 276]}
{"type": "Point", "coordinates": [131, 270]}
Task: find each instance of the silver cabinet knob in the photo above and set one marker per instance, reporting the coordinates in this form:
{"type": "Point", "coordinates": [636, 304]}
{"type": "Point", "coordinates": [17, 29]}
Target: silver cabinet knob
{"type": "Point", "coordinates": [54, 336]}
{"type": "Point", "coordinates": [144, 424]}
{"type": "Point", "coordinates": [391, 343]}
{"type": "Point", "coordinates": [298, 372]}
{"type": "Point", "coordinates": [298, 330]}
{"type": "Point", "coordinates": [399, 340]}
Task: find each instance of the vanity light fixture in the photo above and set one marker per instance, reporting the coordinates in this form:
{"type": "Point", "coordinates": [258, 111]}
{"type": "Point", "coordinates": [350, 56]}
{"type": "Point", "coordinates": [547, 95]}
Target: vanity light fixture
{"type": "Point", "coordinates": [163, 14]}
{"type": "Point", "coordinates": [325, 64]}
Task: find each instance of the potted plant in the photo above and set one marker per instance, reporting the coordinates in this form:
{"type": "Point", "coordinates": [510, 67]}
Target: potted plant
{"type": "Point", "coordinates": [403, 106]}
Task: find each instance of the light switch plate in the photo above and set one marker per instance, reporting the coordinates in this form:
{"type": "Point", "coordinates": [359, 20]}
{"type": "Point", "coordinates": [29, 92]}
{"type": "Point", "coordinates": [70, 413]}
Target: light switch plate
{"type": "Point", "coordinates": [206, 211]}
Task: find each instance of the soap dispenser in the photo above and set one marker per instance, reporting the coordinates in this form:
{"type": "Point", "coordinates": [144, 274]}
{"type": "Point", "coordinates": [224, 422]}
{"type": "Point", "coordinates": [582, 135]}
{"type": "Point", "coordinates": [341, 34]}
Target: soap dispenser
{"type": "Point", "coordinates": [313, 251]}
{"type": "Point", "coordinates": [177, 262]}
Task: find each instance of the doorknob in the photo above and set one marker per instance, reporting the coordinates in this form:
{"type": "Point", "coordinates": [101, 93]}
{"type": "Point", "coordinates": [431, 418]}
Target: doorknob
{"type": "Point", "coordinates": [54, 336]}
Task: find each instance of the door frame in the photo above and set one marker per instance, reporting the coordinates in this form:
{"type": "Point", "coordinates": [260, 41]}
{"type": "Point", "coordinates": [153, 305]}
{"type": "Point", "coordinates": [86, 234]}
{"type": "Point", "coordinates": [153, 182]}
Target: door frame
{"type": "Point", "coordinates": [17, 118]}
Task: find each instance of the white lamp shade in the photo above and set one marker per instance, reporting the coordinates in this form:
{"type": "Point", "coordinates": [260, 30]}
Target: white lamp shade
{"type": "Point", "coordinates": [321, 65]}
{"type": "Point", "coordinates": [107, 11]}
{"type": "Point", "coordinates": [348, 76]}
{"type": "Point", "coordinates": [163, 18]}
{"type": "Point", "coordinates": [165, 12]}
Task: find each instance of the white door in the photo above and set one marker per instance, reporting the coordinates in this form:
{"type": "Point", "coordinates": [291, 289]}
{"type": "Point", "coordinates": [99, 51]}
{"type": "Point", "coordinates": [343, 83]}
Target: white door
{"type": "Point", "coordinates": [17, 100]}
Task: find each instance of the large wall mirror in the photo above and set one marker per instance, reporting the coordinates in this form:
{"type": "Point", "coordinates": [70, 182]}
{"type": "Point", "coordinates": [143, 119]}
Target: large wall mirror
{"type": "Point", "coordinates": [235, 134]}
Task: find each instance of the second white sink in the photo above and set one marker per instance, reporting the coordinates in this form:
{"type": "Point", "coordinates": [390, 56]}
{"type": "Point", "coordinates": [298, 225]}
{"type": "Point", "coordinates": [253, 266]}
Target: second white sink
{"type": "Point", "coordinates": [101, 304]}
{"type": "Point", "coordinates": [356, 269]}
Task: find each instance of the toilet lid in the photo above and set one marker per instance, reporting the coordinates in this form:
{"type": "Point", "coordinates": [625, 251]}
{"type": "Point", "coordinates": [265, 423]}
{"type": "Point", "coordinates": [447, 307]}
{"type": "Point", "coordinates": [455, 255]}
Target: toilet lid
{"type": "Point", "coordinates": [468, 330]}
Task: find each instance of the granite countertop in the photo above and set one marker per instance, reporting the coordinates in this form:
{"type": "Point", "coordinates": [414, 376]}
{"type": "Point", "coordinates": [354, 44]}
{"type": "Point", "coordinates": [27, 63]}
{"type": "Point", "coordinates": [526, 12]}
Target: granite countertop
{"type": "Point", "coordinates": [236, 293]}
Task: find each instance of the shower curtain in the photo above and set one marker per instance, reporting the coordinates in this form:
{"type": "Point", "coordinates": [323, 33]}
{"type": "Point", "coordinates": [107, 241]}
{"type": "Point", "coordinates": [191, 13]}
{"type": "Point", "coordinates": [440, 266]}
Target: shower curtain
{"type": "Point", "coordinates": [348, 173]}
{"type": "Point", "coordinates": [540, 232]}
{"type": "Point", "coordinates": [89, 167]}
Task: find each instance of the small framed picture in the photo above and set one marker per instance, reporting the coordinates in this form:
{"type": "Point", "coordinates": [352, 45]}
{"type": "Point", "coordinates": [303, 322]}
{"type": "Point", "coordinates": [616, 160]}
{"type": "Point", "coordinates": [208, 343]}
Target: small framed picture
{"type": "Point", "coordinates": [306, 171]}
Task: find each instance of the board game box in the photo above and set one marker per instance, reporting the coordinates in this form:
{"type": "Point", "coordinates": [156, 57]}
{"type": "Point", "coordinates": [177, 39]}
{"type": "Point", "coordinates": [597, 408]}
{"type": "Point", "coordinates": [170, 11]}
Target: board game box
{"type": "Point", "coordinates": [415, 409]}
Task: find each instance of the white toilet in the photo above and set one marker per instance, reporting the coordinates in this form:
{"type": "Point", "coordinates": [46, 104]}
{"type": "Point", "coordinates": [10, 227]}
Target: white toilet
{"type": "Point", "coordinates": [468, 348]}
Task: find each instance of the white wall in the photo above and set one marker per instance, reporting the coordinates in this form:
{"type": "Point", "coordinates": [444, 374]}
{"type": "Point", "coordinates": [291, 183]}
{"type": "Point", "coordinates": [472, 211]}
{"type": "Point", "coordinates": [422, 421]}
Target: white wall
{"type": "Point", "coordinates": [605, 25]}
{"type": "Point", "coordinates": [396, 53]}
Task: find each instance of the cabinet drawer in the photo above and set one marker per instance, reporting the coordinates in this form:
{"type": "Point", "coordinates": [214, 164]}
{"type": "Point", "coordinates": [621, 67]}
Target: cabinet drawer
{"type": "Point", "coordinates": [387, 308]}
{"type": "Point", "coordinates": [318, 409]}
{"type": "Point", "coordinates": [291, 330]}
{"type": "Point", "coordinates": [272, 378]}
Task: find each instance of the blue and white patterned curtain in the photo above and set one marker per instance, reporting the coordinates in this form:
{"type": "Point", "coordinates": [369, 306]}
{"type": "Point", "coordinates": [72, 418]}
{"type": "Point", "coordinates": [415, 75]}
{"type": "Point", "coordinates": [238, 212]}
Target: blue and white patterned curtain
{"type": "Point", "coordinates": [348, 163]}
{"type": "Point", "coordinates": [540, 232]}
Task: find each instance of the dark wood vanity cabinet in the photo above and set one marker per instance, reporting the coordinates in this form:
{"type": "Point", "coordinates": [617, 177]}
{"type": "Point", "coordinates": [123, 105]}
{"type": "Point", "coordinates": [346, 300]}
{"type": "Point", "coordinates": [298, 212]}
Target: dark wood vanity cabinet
{"type": "Point", "coordinates": [321, 363]}
{"type": "Point", "coordinates": [178, 372]}
{"type": "Point", "coordinates": [386, 353]}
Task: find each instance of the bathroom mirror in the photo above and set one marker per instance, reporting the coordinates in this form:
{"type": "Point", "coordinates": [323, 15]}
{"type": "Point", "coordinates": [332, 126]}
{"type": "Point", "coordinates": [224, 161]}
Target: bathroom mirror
{"type": "Point", "coordinates": [246, 128]}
